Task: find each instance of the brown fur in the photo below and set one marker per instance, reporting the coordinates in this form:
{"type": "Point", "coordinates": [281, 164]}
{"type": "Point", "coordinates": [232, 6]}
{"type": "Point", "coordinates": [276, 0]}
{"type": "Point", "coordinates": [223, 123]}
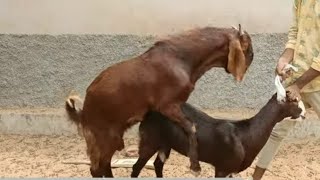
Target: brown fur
{"type": "Point", "coordinates": [160, 79]}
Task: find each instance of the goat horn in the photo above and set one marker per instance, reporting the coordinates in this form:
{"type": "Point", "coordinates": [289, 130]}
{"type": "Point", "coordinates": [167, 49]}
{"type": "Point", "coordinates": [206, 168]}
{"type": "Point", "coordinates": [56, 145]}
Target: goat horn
{"type": "Point", "coordinates": [240, 30]}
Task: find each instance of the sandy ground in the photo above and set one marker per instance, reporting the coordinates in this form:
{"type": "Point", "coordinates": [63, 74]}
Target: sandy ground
{"type": "Point", "coordinates": [42, 156]}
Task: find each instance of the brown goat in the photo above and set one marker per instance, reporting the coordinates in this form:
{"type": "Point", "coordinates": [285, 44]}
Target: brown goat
{"type": "Point", "coordinates": [160, 79]}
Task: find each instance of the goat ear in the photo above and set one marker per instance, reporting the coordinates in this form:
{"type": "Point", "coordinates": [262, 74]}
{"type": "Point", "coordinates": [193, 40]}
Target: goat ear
{"type": "Point", "coordinates": [236, 59]}
{"type": "Point", "coordinates": [244, 41]}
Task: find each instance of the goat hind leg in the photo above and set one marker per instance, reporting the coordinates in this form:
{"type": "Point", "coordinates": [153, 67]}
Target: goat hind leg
{"type": "Point", "coordinates": [159, 162]}
{"type": "Point", "coordinates": [115, 143]}
{"type": "Point", "coordinates": [94, 153]}
{"type": "Point", "coordinates": [100, 154]}
{"type": "Point", "coordinates": [98, 166]}
{"type": "Point", "coordinates": [174, 113]}
{"type": "Point", "coordinates": [145, 153]}
{"type": "Point", "coordinates": [101, 164]}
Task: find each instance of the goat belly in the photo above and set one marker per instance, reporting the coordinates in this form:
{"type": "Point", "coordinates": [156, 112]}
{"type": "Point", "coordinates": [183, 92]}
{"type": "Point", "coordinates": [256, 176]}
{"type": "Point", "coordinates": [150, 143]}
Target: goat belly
{"type": "Point", "coordinates": [215, 140]}
{"type": "Point", "coordinates": [174, 136]}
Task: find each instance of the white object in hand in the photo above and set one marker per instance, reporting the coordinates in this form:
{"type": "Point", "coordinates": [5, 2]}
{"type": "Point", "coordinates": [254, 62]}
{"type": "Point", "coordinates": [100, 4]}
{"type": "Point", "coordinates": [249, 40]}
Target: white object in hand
{"type": "Point", "coordinates": [281, 92]}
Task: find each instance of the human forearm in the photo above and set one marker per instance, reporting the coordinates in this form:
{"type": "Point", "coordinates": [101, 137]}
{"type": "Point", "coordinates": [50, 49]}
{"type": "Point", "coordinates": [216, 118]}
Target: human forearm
{"type": "Point", "coordinates": [287, 55]}
{"type": "Point", "coordinates": [295, 88]}
{"type": "Point", "coordinates": [306, 77]}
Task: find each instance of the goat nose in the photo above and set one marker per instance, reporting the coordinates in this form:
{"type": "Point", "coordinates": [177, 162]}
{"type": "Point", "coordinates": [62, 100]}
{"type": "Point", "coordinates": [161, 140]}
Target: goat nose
{"type": "Point", "coordinates": [239, 79]}
{"type": "Point", "coordinates": [302, 117]}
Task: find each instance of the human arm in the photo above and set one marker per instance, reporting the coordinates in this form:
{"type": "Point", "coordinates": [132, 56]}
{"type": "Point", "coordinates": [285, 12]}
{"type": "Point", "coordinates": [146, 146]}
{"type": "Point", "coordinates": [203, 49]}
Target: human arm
{"type": "Point", "coordinates": [308, 76]}
{"type": "Point", "coordinates": [287, 56]}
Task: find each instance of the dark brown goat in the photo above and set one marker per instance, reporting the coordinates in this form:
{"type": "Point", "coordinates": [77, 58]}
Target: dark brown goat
{"type": "Point", "coordinates": [230, 146]}
{"type": "Point", "coordinates": [160, 79]}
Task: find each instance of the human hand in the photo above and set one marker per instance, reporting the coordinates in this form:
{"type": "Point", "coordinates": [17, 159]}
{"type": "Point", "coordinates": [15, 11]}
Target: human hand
{"type": "Point", "coordinates": [280, 69]}
{"type": "Point", "coordinates": [293, 92]}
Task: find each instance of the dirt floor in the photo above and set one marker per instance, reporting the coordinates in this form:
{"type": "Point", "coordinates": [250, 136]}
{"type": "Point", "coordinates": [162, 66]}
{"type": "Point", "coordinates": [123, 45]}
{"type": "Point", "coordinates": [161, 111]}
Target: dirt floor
{"type": "Point", "coordinates": [42, 156]}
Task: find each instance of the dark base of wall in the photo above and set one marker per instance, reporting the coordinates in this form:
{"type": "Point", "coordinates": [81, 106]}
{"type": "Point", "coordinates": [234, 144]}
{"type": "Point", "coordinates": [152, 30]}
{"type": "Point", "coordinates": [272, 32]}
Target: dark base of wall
{"type": "Point", "coordinates": [54, 122]}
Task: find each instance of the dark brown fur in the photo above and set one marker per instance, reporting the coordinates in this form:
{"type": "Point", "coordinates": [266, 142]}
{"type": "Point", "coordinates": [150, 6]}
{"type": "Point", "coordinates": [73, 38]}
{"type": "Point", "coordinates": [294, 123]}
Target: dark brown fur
{"type": "Point", "coordinates": [160, 79]}
{"type": "Point", "coordinates": [229, 146]}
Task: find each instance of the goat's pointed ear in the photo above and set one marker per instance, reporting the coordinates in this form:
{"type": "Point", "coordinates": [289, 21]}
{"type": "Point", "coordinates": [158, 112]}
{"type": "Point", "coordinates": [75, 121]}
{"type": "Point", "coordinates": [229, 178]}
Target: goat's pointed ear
{"type": "Point", "coordinates": [236, 59]}
{"type": "Point", "coordinates": [245, 41]}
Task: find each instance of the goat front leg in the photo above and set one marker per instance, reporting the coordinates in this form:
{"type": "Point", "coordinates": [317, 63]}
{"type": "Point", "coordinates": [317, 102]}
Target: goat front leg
{"type": "Point", "coordinates": [174, 113]}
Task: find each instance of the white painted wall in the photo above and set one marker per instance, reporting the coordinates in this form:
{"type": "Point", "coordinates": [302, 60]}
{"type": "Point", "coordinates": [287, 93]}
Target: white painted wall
{"type": "Point", "coordinates": [140, 16]}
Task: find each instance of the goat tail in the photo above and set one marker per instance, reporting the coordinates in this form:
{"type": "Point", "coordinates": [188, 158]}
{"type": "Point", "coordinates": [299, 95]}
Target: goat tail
{"type": "Point", "coordinates": [73, 107]}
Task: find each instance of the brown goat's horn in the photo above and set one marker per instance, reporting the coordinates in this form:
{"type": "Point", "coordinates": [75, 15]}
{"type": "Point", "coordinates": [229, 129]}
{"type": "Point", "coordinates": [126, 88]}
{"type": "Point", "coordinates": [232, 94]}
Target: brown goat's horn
{"type": "Point", "coordinates": [240, 30]}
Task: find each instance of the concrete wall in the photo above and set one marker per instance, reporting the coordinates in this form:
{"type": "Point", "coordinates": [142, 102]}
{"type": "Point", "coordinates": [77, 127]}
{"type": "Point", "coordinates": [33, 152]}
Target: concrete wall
{"type": "Point", "coordinates": [48, 48]}
{"type": "Point", "coordinates": [40, 70]}
{"type": "Point", "coordinates": [39, 65]}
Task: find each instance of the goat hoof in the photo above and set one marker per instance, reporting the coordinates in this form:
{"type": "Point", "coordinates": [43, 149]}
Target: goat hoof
{"type": "Point", "coordinates": [195, 167]}
{"type": "Point", "coordinates": [195, 173]}
{"type": "Point", "coordinates": [99, 173]}
{"type": "Point", "coordinates": [195, 170]}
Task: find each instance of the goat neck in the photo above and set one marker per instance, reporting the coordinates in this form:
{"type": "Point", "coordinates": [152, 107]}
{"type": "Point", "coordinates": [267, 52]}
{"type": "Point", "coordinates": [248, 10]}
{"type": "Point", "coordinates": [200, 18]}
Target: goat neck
{"type": "Point", "coordinates": [257, 130]}
{"type": "Point", "coordinates": [199, 50]}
